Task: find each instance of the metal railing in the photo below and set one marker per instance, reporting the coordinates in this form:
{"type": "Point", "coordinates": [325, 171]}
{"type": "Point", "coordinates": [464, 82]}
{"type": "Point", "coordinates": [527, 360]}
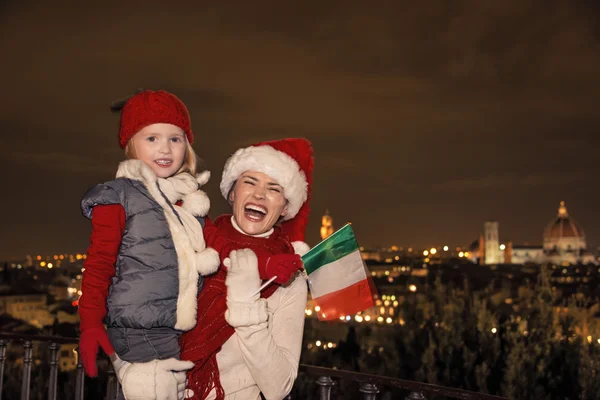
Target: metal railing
{"type": "Point", "coordinates": [370, 385]}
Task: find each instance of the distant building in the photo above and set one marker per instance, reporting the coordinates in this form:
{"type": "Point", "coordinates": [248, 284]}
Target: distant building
{"type": "Point", "coordinates": [492, 243]}
{"type": "Point", "coordinates": [32, 308]}
{"type": "Point", "coordinates": [326, 225]}
{"type": "Point", "coordinates": [563, 244]}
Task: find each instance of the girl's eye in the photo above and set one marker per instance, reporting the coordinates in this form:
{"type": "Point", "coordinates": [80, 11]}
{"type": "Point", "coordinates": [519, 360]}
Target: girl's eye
{"type": "Point", "coordinates": [151, 138]}
{"type": "Point", "coordinates": [249, 183]}
{"type": "Point", "coordinates": [176, 139]}
{"type": "Point", "coordinates": [274, 189]}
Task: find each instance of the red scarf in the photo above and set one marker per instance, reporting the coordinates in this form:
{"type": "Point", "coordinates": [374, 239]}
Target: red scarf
{"type": "Point", "coordinates": [202, 343]}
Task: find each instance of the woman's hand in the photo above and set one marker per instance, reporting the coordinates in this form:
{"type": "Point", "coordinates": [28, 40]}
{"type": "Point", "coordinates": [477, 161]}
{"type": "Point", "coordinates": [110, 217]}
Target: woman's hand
{"type": "Point", "coordinates": [242, 279]}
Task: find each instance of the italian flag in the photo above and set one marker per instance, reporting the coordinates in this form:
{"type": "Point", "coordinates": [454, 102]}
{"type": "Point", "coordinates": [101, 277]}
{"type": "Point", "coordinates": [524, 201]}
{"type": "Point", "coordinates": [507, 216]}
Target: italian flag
{"type": "Point", "coordinates": [337, 276]}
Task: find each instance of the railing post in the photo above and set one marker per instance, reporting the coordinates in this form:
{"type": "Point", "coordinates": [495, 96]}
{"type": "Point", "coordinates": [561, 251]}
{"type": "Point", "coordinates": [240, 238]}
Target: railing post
{"type": "Point", "coordinates": [112, 384]}
{"type": "Point", "coordinates": [79, 378]}
{"type": "Point", "coordinates": [416, 396]}
{"type": "Point", "coordinates": [53, 347]}
{"type": "Point", "coordinates": [369, 391]}
{"type": "Point", "coordinates": [3, 344]}
{"type": "Point", "coordinates": [325, 384]}
{"type": "Point", "coordinates": [26, 369]}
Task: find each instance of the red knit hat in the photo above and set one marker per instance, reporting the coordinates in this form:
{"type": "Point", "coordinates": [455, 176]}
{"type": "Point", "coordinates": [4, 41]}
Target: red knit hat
{"type": "Point", "coordinates": [153, 107]}
{"type": "Point", "coordinates": [290, 162]}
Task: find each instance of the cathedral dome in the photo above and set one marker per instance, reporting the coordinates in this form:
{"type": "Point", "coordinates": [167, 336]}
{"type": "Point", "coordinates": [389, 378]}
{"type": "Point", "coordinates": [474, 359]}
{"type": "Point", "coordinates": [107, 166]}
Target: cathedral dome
{"type": "Point", "coordinates": [563, 226]}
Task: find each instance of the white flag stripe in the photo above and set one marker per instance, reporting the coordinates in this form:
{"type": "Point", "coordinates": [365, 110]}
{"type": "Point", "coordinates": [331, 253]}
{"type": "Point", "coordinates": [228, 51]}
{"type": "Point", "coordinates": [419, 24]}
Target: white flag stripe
{"type": "Point", "coordinates": [337, 275]}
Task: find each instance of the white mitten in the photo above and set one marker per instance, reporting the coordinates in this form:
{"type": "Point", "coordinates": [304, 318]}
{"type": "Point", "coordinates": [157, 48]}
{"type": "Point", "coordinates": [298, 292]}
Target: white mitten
{"type": "Point", "coordinates": [244, 305]}
{"type": "Point", "coordinates": [170, 375]}
{"type": "Point", "coordinates": [207, 261]}
{"type": "Point", "coordinates": [242, 279]}
{"type": "Point", "coordinates": [153, 380]}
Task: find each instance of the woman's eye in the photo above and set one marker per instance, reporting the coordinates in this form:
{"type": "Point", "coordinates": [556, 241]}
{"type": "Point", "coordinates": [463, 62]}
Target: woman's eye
{"type": "Point", "coordinates": [249, 183]}
{"type": "Point", "coordinates": [275, 190]}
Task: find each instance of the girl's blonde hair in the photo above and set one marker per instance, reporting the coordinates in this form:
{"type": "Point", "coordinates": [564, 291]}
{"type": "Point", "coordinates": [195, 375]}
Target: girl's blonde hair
{"type": "Point", "coordinates": [190, 161]}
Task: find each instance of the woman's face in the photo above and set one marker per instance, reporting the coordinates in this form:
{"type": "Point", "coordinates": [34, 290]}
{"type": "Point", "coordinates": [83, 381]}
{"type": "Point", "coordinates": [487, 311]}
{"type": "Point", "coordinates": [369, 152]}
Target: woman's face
{"type": "Point", "coordinates": [258, 202]}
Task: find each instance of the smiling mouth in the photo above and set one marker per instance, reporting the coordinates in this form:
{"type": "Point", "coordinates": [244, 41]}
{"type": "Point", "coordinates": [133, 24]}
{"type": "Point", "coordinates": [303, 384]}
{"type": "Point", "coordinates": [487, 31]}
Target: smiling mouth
{"type": "Point", "coordinates": [163, 162]}
{"type": "Point", "coordinates": [255, 213]}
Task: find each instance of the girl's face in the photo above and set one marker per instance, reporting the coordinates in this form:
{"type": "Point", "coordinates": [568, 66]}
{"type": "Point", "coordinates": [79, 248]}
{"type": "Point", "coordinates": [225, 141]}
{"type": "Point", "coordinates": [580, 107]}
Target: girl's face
{"type": "Point", "coordinates": [162, 147]}
{"type": "Point", "coordinates": [258, 202]}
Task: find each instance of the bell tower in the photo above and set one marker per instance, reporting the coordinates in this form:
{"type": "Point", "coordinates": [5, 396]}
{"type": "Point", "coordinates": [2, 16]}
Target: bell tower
{"type": "Point", "coordinates": [326, 225]}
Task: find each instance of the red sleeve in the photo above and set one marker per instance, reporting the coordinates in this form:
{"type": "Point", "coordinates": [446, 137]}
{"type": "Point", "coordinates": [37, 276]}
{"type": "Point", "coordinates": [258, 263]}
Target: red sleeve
{"type": "Point", "coordinates": [108, 223]}
{"type": "Point", "coordinates": [218, 241]}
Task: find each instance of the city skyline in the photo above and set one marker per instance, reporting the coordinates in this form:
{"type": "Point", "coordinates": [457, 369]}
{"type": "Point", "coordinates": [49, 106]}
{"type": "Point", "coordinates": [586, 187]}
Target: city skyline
{"type": "Point", "coordinates": [426, 120]}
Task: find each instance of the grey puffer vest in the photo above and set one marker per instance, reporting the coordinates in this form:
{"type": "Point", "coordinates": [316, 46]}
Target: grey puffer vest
{"type": "Point", "coordinates": [144, 290]}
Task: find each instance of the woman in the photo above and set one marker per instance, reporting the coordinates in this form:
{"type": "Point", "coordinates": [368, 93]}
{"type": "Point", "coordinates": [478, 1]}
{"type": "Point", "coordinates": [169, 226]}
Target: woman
{"type": "Point", "coordinates": [248, 342]}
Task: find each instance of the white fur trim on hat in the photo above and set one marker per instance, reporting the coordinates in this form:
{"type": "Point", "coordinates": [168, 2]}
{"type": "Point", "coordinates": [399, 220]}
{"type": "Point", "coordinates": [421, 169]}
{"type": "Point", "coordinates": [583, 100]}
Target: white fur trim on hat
{"type": "Point", "coordinates": [274, 163]}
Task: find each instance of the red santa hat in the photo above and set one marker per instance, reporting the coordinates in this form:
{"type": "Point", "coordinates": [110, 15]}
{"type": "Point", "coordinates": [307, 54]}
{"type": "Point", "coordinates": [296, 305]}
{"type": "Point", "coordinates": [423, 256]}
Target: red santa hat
{"type": "Point", "coordinates": [290, 163]}
{"type": "Point", "coordinates": [152, 107]}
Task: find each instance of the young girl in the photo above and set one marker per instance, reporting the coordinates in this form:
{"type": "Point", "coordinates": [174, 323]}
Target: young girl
{"type": "Point", "coordinates": [147, 250]}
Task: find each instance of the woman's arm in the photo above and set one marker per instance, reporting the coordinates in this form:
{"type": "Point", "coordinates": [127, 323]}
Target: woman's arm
{"type": "Point", "coordinates": [270, 346]}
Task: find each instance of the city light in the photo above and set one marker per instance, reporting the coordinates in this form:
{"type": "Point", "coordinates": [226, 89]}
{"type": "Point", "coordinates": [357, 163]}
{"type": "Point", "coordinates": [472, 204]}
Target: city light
{"type": "Point", "coordinates": [494, 330]}
{"type": "Point", "coordinates": [367, 318]}
{"type": "Point", "coordinates": [425, 252]}
{"type": "Point", "coordinates": [461, 254]}
{"type": "Point", "coordinates": [433, 250]}
{"type": "Point", "coordinates": [43, 264]}
{"type": "Point", "coordinates": [388, 320]}
{"type": "Point", "coordinates": [318, 343]}
{"type": "Point", "coordinates": [50, 265]}
{"type": "Point", "coordinates": [502, 247]}
{"type": "Point", "coordinates": [412, 288]}
{"type": "Point", "coordinates": [317, 308]}
{"type": "Point", "coordinates": [445, 248]}
{"type": "Point", "coordinates": [358, 318]}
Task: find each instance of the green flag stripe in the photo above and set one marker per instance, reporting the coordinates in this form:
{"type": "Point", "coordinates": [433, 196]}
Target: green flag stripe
{"type": "Point", "coordinates": [339, 244]}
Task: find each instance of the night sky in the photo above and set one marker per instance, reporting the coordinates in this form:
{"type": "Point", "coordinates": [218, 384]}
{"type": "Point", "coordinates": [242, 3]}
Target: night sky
{"type": "Point", "coordinates": [427, 118]}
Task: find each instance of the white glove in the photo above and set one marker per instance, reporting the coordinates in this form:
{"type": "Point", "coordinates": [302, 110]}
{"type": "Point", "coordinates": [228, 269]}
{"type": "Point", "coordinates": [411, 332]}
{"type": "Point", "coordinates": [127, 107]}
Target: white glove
{"type": "Point", "coordinates": [170, 378]}
{"type": "Point", "coordinates": [153, 380]}
{"type": "Point", "coordinates": [207, 261]}
{"type": "Point", "coordinates": [242, 279]}
{"type": "Point", "coordinates": [244, 305]}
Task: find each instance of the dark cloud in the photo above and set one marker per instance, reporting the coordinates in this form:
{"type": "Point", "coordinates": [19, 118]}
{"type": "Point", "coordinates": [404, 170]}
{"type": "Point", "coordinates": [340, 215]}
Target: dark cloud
{"type": "Point", "coordinates": [427, 118]}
